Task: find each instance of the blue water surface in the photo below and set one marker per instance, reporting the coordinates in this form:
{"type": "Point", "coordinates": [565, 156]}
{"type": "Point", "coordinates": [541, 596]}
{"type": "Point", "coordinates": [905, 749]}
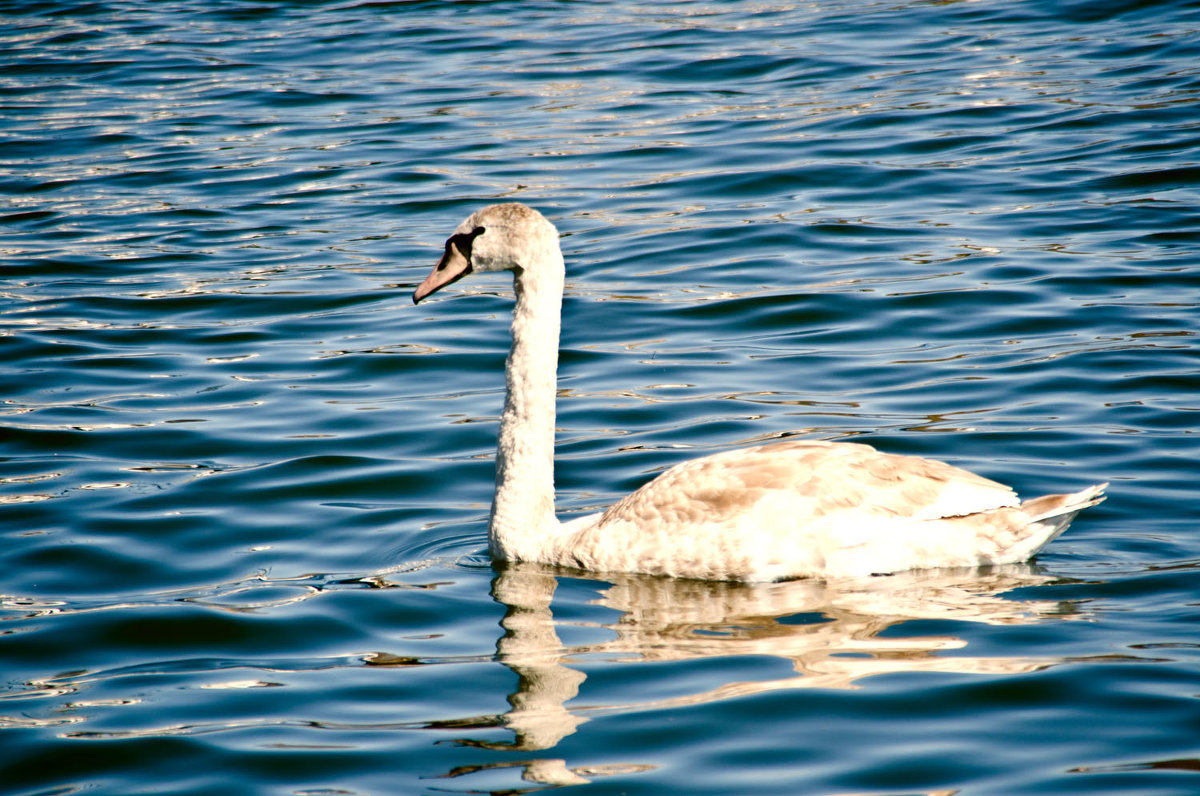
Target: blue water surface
{"type": "Point", "coordinates": [244, 481]}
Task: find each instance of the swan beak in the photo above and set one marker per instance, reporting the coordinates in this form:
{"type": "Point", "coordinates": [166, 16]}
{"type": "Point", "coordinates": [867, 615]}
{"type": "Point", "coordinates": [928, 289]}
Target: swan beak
{"type": "Point", "coordinates": [453, 266]}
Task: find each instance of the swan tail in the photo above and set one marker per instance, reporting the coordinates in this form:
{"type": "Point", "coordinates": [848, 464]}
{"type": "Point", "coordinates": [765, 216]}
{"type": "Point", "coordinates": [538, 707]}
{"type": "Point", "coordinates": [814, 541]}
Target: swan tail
{"type": "Point", "coordinates": [1050, 515]}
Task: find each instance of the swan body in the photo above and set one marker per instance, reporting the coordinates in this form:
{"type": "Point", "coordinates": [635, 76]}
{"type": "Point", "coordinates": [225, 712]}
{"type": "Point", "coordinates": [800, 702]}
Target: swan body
{"type": "Point", "coordinates": [788, 509]}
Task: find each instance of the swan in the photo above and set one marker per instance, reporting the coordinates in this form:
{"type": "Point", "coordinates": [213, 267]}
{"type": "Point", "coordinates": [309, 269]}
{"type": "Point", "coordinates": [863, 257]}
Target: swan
{"type": "Point", "coordinates": [789, 509]}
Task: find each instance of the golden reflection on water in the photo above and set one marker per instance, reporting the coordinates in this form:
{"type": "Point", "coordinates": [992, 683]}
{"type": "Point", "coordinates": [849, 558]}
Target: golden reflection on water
{"type": "Point", "coordinates": [672, 620]}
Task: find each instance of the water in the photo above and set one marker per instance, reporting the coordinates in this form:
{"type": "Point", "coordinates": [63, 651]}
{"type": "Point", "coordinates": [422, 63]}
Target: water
{"type": "Point", "coordinates": [244, 481]}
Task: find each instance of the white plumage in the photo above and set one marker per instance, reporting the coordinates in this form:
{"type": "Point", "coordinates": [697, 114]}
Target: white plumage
{"type": "Point", "coordinates": [789, 509]}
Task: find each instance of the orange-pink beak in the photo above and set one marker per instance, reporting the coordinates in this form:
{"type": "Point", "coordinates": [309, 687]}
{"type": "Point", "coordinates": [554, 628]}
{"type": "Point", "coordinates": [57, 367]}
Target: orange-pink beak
{"type": "Point", "coordinates": [453, 266]}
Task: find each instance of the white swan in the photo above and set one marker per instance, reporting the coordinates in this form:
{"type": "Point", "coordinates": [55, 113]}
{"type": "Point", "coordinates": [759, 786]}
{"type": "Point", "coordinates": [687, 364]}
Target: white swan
{"type": "Point", "coordinates": [789, 509]}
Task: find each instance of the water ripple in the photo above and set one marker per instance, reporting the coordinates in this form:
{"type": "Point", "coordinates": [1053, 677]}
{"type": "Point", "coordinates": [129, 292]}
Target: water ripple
{"type": "Point", "coordinates": [243, 481]}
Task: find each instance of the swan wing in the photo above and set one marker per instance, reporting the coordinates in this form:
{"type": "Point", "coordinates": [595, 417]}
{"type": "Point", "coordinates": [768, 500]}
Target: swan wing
{"type": "Point", "coordinates": [824, 477]}
{"type": "Point", "coordinates": [797, 508]}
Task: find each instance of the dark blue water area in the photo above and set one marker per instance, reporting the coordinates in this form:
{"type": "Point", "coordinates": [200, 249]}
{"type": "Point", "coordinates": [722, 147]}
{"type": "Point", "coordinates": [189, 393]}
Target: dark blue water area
{"type": "Point", "coordinates": [244, 482]}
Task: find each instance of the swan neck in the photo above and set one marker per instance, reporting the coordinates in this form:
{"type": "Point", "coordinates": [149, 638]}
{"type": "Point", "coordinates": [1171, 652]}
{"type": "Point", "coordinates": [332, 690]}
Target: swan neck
{"type": "Point", "coordinates": [522, 518]}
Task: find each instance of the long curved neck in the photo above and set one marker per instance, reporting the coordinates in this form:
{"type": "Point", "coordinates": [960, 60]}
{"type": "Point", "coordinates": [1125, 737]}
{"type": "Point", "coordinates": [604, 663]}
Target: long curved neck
{"type": "Point", "coordinates": [522, 519]}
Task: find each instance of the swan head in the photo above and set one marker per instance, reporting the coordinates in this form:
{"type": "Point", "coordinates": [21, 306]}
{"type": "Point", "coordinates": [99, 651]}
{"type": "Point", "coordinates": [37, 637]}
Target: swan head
{"type": "Point", "coordinates": [507, 237]}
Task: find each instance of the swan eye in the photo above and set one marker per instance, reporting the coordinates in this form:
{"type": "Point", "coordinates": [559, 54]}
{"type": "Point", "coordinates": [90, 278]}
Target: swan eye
{"type": "Point", "coordinates": [461, 243]}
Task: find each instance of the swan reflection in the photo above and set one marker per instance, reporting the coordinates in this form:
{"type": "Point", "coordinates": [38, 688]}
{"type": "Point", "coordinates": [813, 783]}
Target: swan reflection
{"type": "Point", "coordinates": [831, 632]}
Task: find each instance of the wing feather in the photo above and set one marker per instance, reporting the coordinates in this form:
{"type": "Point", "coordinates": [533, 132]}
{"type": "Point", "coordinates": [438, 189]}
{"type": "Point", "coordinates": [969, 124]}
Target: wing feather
{"type": "Point", "coordinates": [824, 477]}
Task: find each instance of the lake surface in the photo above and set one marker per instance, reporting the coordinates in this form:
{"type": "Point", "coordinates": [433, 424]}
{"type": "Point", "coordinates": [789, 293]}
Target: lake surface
{"type": "Point", "coordinates": [244, 481]}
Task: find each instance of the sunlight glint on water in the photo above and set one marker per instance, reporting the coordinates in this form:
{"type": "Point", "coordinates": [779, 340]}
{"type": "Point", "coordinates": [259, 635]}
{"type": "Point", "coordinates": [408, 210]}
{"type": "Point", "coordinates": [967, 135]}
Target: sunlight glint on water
{"type": "Point", "coordinates": [244, 482]}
